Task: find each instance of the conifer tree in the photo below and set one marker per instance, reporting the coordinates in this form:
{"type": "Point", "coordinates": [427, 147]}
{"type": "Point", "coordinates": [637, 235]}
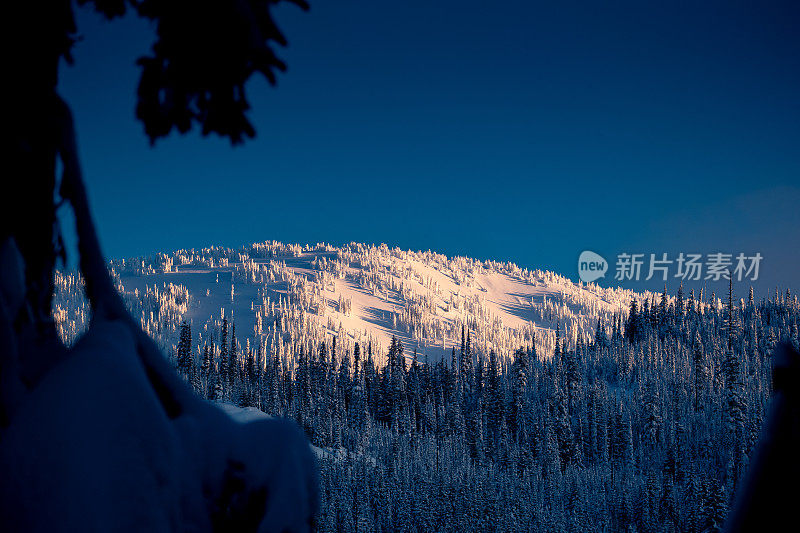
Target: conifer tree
{"type": "Point", "coordinates": [185, 358]}
{"type": "Point", "coordinates": [222, 367]}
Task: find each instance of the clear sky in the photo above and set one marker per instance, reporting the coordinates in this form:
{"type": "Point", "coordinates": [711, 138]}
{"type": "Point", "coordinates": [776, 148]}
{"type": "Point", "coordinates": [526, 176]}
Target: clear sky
{"type": "Point", "coordinates": [520, 131]}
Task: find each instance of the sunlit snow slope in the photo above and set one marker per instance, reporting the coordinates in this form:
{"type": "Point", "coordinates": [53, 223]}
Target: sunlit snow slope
{"type": "Point", "coordinates": [279, 296]}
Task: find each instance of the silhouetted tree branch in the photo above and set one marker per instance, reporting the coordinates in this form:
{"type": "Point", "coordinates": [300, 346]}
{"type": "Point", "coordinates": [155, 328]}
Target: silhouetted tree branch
{"type": "Point", "coordinates": [204, 53]}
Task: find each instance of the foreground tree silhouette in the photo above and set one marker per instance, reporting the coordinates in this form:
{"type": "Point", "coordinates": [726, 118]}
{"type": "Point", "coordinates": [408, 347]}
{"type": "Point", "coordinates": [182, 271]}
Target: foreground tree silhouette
{"type": "Point", "coordinates": [195, 74]}
{"type": "Point", "coordinates": [204, 53]}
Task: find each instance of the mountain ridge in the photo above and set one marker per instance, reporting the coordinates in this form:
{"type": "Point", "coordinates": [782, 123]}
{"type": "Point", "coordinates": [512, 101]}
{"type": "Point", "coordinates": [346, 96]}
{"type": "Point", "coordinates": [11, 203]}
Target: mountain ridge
{"type": "Point", "coordinates": [279, 295]}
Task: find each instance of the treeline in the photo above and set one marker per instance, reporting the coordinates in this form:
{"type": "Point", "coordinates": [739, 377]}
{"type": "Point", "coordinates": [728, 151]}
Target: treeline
{"type": "Point", "coordinates": [649, 427]}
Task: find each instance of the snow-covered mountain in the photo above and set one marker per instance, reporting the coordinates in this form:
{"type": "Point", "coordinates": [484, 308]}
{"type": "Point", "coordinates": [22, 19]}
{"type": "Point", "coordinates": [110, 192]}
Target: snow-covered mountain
{"type": "Point", "coordinates": [279, 296]}
{"type": "Point", "coordinates": [591, 434]}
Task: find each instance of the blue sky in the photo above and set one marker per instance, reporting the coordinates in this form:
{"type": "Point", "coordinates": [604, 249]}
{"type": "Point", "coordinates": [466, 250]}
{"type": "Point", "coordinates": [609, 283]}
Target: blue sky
{"type": "Point", "coordinates": [523, 131]}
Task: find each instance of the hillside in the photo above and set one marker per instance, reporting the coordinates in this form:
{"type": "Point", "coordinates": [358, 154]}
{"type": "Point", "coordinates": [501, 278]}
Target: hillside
{"type": "Point", "coordinates": [277, 294]}
{"type": "Point", "coordinates": [649, 423]}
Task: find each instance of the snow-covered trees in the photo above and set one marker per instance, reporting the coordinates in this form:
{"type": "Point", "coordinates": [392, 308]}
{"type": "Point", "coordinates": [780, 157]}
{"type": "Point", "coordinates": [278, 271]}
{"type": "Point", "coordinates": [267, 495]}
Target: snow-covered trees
{"type": "Point", "coordinates": [626, 422]}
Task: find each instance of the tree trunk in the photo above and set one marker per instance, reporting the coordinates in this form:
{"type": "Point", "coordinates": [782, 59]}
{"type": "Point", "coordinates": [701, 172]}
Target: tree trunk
{"type": "Point", "coordinates": [105, 301]}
